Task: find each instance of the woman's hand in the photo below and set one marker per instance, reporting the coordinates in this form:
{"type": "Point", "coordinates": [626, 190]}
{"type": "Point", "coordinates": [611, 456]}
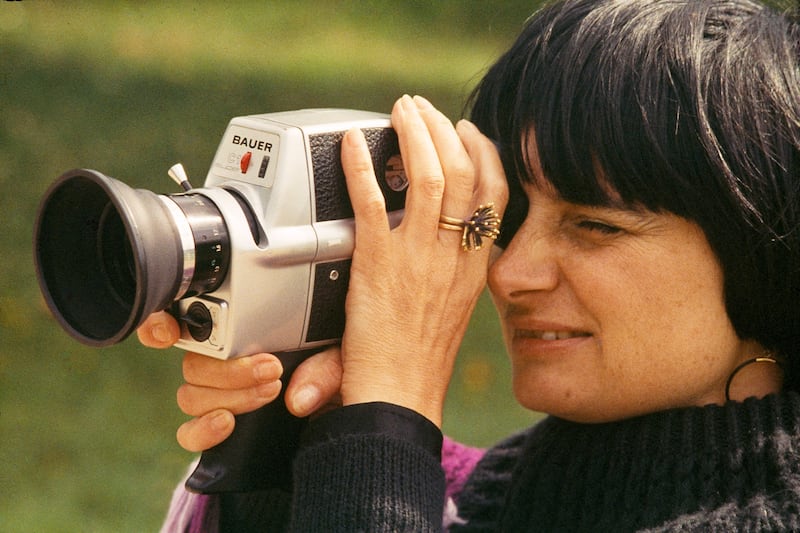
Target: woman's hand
{"type": "Point", "coordinates": [216, 390]}
{"type": "Point", "coordinates": [413, 289]}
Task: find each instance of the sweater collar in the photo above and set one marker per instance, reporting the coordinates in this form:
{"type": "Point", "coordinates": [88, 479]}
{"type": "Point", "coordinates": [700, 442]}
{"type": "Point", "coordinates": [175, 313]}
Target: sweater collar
{"type": "Point", "coordinates": [736, 462]}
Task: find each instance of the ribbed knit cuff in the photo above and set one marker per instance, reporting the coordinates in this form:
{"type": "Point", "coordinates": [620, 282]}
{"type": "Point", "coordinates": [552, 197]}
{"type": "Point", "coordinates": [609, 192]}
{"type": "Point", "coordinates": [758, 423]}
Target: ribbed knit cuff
{"type": "Point", "coordinates": [377, 418]}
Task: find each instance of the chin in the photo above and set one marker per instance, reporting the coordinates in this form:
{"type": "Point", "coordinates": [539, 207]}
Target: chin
{"type": "Point", "coordinates": [568, 403]}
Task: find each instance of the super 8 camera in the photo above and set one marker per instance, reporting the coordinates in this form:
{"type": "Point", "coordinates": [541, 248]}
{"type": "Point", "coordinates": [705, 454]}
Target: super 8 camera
{"type": "Point", "coordinates": [256, 260]}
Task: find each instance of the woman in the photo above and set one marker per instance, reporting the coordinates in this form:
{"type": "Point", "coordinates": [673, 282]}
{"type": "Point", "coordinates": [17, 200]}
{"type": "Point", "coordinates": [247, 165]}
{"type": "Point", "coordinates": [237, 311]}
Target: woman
{"type": "Point", "coordinates": [648, 293]}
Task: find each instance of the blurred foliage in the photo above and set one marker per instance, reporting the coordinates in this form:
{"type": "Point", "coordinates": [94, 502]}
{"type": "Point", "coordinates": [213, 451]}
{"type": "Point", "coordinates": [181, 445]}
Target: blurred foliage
{"type": "Point", "coordinates": [129, 88]}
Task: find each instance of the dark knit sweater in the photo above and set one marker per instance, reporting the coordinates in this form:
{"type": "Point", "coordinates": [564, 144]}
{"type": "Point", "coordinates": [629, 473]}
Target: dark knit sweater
{"type": "Point", "coordinates": [729, 468]}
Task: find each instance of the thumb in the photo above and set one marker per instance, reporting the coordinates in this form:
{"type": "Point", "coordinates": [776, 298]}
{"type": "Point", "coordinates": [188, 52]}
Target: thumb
{"type": "Point", "coordinates": [159, 330]}
{"type": "Point", "coordinates": [315, 383]}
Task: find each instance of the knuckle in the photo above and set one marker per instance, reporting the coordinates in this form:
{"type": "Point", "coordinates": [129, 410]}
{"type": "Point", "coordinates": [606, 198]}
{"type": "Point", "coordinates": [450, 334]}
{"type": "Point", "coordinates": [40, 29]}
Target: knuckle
{"type": "Point", "coordinates": [361, 166]}
{"type": "Point", "coordinates": [493, 188]}
{"type": "Point", "coordinates": [463, 169]}
{"type": "Point", "coordinates": [374, 207]}
{"type": "Point", "coordinates": [499, 192]}
{"type": "Point", "coordinates": [333, 367]}
{"type": "Point", "coordinates": [432, 185]}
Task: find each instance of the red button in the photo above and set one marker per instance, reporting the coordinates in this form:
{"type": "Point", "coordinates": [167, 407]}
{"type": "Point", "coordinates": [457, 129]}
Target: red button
{"type": "Point", "coordinates": [244, 162]}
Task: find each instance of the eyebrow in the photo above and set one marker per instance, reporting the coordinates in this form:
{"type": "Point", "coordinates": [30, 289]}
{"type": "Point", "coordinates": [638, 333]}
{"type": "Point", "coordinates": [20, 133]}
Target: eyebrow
{"type": "Point", "coordinates": [610, 199]}
{"type": "Point", "coordinates": [614, 202]}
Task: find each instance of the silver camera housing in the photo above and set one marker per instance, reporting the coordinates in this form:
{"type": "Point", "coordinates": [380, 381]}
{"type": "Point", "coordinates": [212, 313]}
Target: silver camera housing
{"type": "Point", "coordinates": [285, 290]}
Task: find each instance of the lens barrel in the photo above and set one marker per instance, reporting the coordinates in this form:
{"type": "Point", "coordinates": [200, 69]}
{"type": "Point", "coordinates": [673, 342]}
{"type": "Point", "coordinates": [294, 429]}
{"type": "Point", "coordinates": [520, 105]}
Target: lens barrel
{"type": "Point", "coordinates": [107, 255]}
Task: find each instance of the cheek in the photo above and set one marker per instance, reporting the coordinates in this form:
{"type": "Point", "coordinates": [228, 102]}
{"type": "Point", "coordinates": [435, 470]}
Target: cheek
{"type": "Point", "coordinates": [671, 287]}
{"type": "Point", "coordinates": [666, 306]}
{"type": "Point", "coordinates": [667, 331]}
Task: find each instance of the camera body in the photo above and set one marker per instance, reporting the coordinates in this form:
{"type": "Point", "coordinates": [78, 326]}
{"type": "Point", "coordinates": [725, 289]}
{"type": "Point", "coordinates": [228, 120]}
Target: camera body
{"type": "Point", "coordinates": [286, 285]}
{"type": "Point", "coordinates": [258, 259]}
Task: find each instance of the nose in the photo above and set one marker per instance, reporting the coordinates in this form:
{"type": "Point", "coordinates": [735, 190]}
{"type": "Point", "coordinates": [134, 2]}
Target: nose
{"type": "Point", "coordinates": [529, 263]}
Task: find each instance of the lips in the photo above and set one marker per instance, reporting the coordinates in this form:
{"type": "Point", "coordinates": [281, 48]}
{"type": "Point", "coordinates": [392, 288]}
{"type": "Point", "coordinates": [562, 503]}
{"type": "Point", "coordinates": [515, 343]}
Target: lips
{"type": "Point", "coordinates": [546, 335]}
{"type": "Point", "coordinates": [530, 328]}
{"type": "Point", "coordinates": [549, 335]}
{"type": "Point", "coordinates": [534, 339]}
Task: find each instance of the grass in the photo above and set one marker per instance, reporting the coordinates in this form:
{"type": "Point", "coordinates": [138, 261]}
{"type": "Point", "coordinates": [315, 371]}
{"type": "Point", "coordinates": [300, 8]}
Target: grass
{"type": "Point", "coordinates": [129, 88]}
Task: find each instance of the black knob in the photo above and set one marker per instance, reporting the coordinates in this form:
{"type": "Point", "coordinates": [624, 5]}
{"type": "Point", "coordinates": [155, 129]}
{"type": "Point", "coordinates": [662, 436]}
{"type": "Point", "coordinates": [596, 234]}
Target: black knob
{"type": "Point", "coordinates": [198, 321]}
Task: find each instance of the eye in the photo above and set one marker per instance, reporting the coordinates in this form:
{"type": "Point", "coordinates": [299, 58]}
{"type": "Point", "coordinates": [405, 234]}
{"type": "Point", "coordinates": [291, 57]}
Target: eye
{"type": "Point", "coordinates": [599, 227]}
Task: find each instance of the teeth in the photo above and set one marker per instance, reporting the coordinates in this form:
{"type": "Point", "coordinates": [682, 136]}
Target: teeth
{"type": "Point", "coordinates": [556, 335]}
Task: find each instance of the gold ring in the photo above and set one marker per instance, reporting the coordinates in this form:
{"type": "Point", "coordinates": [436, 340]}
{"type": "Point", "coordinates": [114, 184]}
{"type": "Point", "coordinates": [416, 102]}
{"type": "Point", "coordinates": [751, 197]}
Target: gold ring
{"type": "Point", "coordinates": [484, 223]}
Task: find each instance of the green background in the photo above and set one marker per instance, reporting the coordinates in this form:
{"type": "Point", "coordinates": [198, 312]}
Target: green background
{"type": "Point", "coordinates": [129, 88]}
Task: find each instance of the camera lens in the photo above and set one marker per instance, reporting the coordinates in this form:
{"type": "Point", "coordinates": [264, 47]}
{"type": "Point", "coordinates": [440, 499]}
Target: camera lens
{"type": "Point", "coordinates": [108, 255]}
{"type": "Point", "coordinates": [117, 266]}
{"type": "Point", "coordinates": [209, 245]}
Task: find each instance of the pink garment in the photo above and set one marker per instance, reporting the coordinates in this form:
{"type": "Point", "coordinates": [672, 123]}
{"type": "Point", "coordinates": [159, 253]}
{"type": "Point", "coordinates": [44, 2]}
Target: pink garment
{"type": "Point", "coordinates": [458, 462]}
{"type": "Point", "coordinates": [190, 512]}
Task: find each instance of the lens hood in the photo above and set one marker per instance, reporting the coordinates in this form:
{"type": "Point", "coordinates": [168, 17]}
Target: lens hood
{"type": "Point", "coordinates": [106, 255]}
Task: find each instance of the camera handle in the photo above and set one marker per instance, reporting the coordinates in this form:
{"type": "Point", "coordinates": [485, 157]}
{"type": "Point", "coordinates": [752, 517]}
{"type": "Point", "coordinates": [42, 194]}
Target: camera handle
{"type": "Point", "coordinates": [258, 454]}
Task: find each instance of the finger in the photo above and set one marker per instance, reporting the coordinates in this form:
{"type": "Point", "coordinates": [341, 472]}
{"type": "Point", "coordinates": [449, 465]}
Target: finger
{"type": "Point", "coordinates": [159, 330]}
{"type": "Point", "coordinates": [453, 157]}
{"type": "Point", "coordinates": [315, 383]}
{"type": "Point", "coordinates": [239, 373]}
{"type": "Point", "coordinates": [197, 401]}
{"type": "Point", "coordinates": [362, 188]}
{"type": "Point", "coordinates": [423, 169]}
{"type": "Point", "coordinates": [200, 434]}
{"type": "Point", "coordinates": [491, 185]}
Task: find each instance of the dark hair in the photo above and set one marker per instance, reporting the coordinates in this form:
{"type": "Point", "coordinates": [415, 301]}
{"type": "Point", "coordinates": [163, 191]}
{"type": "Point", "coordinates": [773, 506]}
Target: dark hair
{"type": "Point", "coordinates": [687, 106]}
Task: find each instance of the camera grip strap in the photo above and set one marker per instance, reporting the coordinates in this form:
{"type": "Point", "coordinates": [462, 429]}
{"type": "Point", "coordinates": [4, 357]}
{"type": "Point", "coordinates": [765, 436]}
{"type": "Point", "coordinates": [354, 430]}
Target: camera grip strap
{"type": "Point", "coordinates": [259, 453]}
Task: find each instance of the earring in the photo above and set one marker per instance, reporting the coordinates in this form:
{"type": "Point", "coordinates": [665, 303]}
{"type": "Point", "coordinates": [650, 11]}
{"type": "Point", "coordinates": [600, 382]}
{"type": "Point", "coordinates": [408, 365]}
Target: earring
{"type": "Point", "coordinates": [761, 359]}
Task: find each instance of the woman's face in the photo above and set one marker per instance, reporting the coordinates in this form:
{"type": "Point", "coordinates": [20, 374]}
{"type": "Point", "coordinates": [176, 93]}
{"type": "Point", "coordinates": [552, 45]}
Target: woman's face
{"type": "Point", "coordinates": [612, 312]}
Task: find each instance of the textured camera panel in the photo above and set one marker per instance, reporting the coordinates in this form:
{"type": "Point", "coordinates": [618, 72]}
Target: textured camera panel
{"type": "Point", "coordinates": [332, 201]}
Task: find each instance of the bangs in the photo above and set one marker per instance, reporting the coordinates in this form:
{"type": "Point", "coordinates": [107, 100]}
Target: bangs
{"type": "Point", "coordinates": [603, 105]}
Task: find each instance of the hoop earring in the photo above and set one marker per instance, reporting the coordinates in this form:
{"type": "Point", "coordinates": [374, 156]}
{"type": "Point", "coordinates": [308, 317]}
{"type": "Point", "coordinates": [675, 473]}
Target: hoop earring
{"type": "Point", "coordinates": [761, 359]}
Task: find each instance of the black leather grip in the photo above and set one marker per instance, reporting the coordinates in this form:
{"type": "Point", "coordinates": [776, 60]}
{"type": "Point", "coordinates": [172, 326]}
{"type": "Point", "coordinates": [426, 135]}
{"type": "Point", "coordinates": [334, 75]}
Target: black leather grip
{"type": "Point", "coordinates": [330, 189]}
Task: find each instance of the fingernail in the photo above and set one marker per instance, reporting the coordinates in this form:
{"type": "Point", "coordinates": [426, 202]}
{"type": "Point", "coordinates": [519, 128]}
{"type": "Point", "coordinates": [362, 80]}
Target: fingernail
{"type": "Point", "coordinates": [355, 137]}
{"type": "Point", "coordinates": [407, 103]}
{"type": "Point", "coordinates": [422, 102]}
{"type": "Point", "coordinates": [220, 421]}
{"type": "Point", "coordinates": [464, 123]}
{"type": "Point", "coordinates": [160, 332]}
{"type": "Point", "coordinates": [267, 391]}
{"type": "Point", "coordinates": [306, 400]}
{"type": "Point", "coordinates": [267, 371]}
